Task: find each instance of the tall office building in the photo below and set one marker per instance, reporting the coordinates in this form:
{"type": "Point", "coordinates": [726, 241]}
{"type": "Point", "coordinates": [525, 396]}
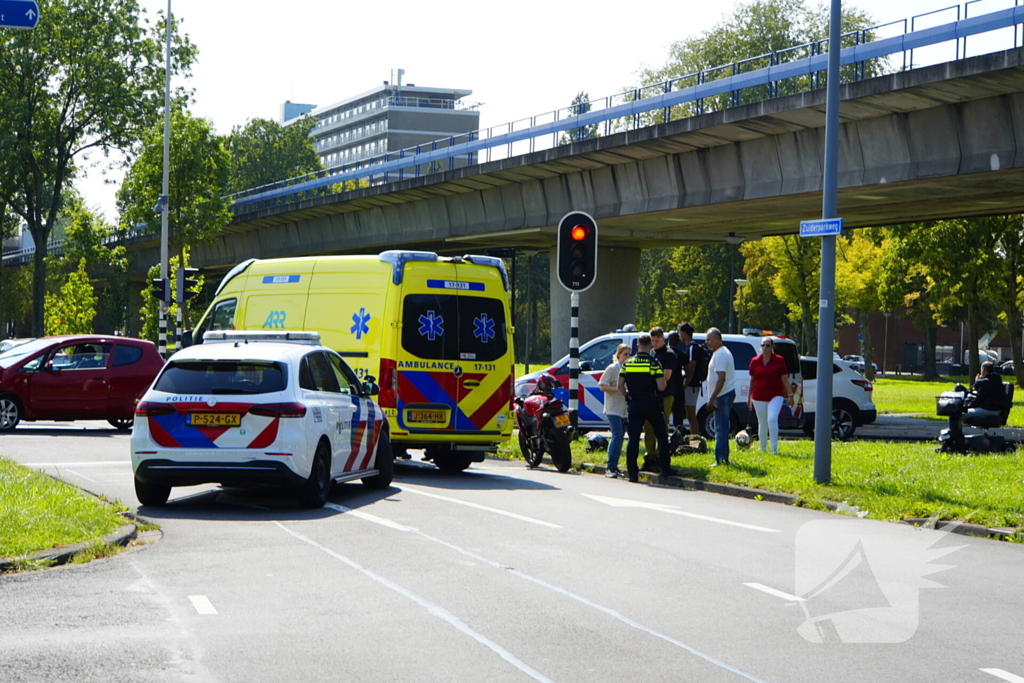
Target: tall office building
{"type": "Point", "coordinates": [389, 118]}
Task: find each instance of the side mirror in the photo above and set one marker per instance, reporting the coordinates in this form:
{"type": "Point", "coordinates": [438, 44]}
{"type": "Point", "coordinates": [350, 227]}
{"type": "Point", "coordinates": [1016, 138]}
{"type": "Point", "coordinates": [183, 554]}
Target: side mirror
{"type": "Point", "coordinates": [370, 388]}
{"type": "Point", "coordinates": [186, 339]}
{"type": "Point", "coordinates": [52, 368]}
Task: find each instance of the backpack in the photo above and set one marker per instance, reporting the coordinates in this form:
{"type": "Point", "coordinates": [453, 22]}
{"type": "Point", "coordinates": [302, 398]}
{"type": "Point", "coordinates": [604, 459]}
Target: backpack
{"type": "Point", "coordinates": [701, 354]}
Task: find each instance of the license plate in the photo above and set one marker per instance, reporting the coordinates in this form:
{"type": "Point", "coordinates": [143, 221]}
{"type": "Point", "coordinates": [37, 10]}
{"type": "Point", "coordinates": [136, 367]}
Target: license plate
{"type": "Point", "coordinates": [561, 420]}
{"type": "Point", "coordinates": [436, 416]}
{"type": "Point", "coordinates": [215, 419]}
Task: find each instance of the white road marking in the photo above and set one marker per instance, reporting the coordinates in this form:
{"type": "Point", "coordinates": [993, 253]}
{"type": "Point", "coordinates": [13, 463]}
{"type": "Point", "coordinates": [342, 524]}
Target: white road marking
{"type": "Point", "coordinates": [777, 593]}
{"type": "Point", "coordinates": [673, 510]}
{"type": "Point", "coordinates": [98, 463]}
{"type": "Point", "coordinates": [369, 518]}
{"type": "Point", "coordinates": [431, 607]}
{"type": "Point", "coordinates": [79, 474]}
{"type": "Point", "coordinates": [202, 604]}
{"type": "Point", "coordinates": [1005, 675]}
{"type": "Point", "coordinates": [550, 586]}
{"type": "Point", "coordinates": [522, 518]}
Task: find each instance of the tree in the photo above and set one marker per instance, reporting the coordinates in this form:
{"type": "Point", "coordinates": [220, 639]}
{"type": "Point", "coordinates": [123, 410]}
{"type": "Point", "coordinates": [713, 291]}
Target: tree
{"type": "Point", "coordinates": [751, 32]}
{"type": "Point", "coordinates": [792, 265]}
{"type": "Point", "coordinates": [264, 152]}
{"type": "Point", "coordinates": [858, 271]}
{"type": "Point", "coordinates": [72, 310]}
{"type": "Point", "coordinates": [1010, 292]}
{"type": "Point", "coordinates": [199, 172]}
{"type": "Point", "coordinates": [579, 105]}
{"type": "Point", "coordinates": [88, 78]}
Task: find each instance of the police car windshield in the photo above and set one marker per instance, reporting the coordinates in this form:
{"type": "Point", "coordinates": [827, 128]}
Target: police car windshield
{"type": "Point", "coordinates": [221, 377]}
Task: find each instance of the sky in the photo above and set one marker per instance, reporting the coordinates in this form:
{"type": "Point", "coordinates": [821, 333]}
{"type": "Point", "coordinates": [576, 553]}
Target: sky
{"type": "Point", "coordinates": [519, 59]}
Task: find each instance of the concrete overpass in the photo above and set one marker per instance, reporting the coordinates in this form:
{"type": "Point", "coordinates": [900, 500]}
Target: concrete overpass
{"type": "Point", "coordinates": [937, 142]}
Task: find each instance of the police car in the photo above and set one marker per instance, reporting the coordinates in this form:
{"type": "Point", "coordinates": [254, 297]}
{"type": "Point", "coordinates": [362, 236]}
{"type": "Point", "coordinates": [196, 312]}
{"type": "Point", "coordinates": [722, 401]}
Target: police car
{"type": "Point", "coordinates": [259, 408]}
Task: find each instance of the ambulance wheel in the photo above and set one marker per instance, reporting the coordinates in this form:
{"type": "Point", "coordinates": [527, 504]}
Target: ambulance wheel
{"type": "Point", "coordinates": [151, 494]}
{"type": "Point", "coordinates": [385, 464]}
{"type": "Point", "coordinates": [313, 493]}
{"type": "Point", "coordinates": [562, 457]}
{"type": "Point", "coordinates": [531, 457]}
{"type": "Point", "coordinates": [452, 462]}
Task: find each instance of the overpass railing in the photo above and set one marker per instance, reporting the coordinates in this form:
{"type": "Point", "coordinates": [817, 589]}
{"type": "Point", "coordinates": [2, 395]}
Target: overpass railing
{"type": "Point", "coordinates": [916, 40]}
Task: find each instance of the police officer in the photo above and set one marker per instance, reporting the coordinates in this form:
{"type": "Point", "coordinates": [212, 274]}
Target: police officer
{"type": "Point", "coordinates": [642, 379]}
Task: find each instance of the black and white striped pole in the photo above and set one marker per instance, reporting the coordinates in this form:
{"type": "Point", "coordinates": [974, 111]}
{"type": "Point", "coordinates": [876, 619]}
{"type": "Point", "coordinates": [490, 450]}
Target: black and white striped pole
{"type": "Point", "coordinates": [577, 270]}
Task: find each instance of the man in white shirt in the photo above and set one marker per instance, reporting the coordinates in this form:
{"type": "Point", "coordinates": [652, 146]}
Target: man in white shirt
{"type": "Point", "coordinates": [722, 385]}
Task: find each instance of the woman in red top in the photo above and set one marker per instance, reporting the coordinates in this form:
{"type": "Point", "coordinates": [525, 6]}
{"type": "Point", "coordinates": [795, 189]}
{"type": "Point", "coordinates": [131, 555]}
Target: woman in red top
{"type": "Point", "coordinates": [769, 383]}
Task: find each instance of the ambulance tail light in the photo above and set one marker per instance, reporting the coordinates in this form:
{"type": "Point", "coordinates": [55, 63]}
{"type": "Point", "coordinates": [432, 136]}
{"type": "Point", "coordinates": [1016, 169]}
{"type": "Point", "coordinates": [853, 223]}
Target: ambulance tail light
{"type": "Point", "coordinates": [279, 410]}
{"type": "Point", "coordinates": [388, 396]}
{"type": "Point", "coordinates": [152, 409]}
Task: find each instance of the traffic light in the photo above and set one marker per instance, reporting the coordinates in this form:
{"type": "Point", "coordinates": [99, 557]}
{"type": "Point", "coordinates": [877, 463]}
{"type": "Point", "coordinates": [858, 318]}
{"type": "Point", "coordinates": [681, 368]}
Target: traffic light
{"type": "Point", "coordinates": [160, 290]}
{"type": "Point", "coordinates": [577, 251]}
{"type": "Point", "coordinates": [187, 279]}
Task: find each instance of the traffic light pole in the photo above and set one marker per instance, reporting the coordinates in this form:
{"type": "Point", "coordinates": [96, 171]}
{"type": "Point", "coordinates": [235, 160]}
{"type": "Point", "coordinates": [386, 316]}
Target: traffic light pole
{"type": "Point", "coordinates": [574, 359]}
{"type": "Point", "coordinates": [164, 249]}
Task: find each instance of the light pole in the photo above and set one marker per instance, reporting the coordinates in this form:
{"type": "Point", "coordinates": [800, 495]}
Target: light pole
{"type": "Point", "coordinates": [528, 253]}
{"type": "Point", "coordinates": [163, 202]}
{"type": "Point", "coordinates": [682, 315]}
{"type": "Point", "coordinates": [885, 346]}
{"type": "Point", "coordinates": [733, 242]}
{"type": "Point", "coordinates": [740, 284]}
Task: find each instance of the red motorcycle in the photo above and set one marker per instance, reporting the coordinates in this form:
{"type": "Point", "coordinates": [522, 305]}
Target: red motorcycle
{"type": "Point", "coordinates": [544, 426]}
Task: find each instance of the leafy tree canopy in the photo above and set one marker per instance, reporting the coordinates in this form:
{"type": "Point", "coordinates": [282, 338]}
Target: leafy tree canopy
{"type": "Point", "coordinates": [264, 152]}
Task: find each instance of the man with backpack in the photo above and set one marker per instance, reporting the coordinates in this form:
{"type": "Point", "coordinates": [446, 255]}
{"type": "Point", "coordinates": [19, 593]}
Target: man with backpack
{"type": "Point", "coordinates": [697, 357]}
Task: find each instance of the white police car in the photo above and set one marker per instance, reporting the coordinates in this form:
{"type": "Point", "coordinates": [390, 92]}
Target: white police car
{"type": "Point", "coordinates": [259, 408]}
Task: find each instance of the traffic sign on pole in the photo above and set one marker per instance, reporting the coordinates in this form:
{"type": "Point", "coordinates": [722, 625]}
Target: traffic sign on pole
{"type": "Point", "coordinates": [19, 13]}
{"type": "Point", "coordinates": [821, 228]}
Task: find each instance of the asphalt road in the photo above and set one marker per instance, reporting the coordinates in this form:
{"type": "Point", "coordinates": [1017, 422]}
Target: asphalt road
{"type": "Point", "coordinates": [503, 574]}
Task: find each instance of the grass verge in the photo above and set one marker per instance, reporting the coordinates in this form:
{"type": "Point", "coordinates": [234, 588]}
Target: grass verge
{"type": "Point", "coordinates": [917, 396]}
{"type": "Point", "coordinates": [889, 481]}
{"type": "Point", "coordinates": [38, 512]}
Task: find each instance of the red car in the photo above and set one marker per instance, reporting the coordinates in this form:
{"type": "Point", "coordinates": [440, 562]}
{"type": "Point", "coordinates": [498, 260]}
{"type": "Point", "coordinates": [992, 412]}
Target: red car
{"type": "Point", "coordinates": [76, 377]}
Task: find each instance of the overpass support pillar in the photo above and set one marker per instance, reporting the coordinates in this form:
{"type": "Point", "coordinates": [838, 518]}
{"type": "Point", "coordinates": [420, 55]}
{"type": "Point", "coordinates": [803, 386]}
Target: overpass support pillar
{"type": "Point", "coordinates": [136, 300]}
{"type": "Point", "coordinates": [605, 307]}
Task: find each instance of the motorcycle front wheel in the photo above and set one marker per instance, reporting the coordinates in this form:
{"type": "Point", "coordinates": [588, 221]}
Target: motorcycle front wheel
{"type": "Point", "coordinates": [531, 457]}
{"type": "Point", "coordinates": [561, 454]}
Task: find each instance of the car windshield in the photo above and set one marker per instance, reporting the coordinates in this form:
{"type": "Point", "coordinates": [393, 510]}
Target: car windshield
{"type": "Point", "coordinates": [221, 377]}
{"type": "Point", "coordinates": [9, 358]}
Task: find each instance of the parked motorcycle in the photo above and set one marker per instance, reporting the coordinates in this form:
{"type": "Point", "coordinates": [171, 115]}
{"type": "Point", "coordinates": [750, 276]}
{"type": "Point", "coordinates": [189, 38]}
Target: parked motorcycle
{"type": "Point", "coordinates": [544, 426]}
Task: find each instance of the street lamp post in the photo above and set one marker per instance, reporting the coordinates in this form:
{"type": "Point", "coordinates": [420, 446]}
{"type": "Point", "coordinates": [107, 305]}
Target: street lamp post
{"type": "Point", "coordinates": [682, 314]}
{"type": "Point", "coordinates": [163, 203]}
{"type": "Point", "coordinates": [740, 284]}
{"type": "Point", "coordinates": [528, 253]}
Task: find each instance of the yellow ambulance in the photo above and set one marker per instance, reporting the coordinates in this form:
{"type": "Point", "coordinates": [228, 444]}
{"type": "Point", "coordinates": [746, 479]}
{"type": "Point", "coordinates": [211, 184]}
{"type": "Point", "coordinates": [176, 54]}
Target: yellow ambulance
{"type": "Point", "coordinates": [435, 332]}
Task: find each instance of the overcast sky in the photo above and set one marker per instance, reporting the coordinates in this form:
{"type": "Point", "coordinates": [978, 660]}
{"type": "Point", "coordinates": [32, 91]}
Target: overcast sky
{"type": "Point", "coordinates": [519, 59]}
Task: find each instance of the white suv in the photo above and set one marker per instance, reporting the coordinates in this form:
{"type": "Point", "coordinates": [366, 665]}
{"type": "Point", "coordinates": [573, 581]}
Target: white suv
{"type": "Point", "coordinates": [259, 408]}
{"type": "Point", "coordinates": [597, 354]}
{"type": "Point", "coordinates": [851, 395]}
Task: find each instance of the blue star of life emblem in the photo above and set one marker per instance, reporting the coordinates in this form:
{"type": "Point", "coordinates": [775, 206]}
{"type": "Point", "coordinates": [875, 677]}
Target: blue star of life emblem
{"type": "Point", "coordinates": [483, 328]}
{"type": "Point", "coordinates": [360, 319]}
{"type": "Point", "coordinates": [431, 326]}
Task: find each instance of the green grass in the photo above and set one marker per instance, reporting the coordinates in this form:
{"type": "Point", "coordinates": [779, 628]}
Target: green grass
{"type": "Point", "coordinates": [38, 512]}
{"type": "Point", "coordinates": [908, 395]}
{"type": "Point", "coordinates": [890, 481]}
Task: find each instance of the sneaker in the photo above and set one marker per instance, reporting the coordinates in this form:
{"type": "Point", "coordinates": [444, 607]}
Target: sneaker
{"type": "Point", "coordinates": [612, 474]}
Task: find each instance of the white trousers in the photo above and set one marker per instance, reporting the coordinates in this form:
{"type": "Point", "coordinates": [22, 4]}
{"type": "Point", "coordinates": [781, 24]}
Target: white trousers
{"type": "Point", "coordinates": [768, 414]}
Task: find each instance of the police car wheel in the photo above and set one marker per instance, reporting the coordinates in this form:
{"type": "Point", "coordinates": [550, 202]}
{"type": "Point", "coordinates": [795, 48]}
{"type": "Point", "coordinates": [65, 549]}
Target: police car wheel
{"type": "Point", "coordinates": [384, 464]}
{"type": "Point", "coordinates": [151, 494]}
{"type": "Point", "coordinates": [313, 493]}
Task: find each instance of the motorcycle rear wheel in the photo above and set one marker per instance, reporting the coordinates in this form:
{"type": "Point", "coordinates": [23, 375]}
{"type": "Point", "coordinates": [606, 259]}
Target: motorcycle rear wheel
{"type": "Point", "coordinates": [532, 457]}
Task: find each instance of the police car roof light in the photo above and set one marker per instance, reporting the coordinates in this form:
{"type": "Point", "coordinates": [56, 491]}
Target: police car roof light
{"type": "Point", "coordinates": [236, 336]}
{"type": "Point", "coordinates": [489, 261]}
{"type": "Point", "coordinates": [397, 258]}
{"type": "Point", "coordinates": [758, 332]}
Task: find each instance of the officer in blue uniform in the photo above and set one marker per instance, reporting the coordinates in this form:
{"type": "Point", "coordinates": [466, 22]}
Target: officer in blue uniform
{"type": "Point", "coordinates": [643, 380]}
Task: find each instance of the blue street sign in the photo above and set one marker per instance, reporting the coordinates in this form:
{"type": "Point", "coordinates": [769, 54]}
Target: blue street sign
{"type": "Point", "coordinates": [19, 13]}
{"type": "Point", "coordinates": [829, 226]}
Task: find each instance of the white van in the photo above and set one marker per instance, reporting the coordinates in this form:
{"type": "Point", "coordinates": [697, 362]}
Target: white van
{"type": "Point", "coordinates": [597, 354]}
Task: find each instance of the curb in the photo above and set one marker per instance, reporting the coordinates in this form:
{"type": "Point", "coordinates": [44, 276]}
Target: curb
{"type": "Point", "coordinates": [121, 536]}
{"type": "Point", "coordinates": [962, 528]}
